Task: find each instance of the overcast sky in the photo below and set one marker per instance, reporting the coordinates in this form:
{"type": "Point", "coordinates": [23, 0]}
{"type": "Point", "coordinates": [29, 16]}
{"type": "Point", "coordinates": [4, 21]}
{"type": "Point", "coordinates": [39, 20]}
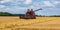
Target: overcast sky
{"type": "Point", "coordinates": [50, 7]}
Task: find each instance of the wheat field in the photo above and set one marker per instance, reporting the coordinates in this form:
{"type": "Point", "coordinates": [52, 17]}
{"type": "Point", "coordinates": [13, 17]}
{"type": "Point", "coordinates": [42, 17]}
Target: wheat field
{"type": "Point", "coordinates": [40, 23]}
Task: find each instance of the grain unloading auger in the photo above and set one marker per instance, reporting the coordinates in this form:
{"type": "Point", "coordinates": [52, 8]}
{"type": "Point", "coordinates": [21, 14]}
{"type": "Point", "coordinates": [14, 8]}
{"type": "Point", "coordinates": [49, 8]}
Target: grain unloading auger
{"type": "Point", "coordinates": [30, 16]}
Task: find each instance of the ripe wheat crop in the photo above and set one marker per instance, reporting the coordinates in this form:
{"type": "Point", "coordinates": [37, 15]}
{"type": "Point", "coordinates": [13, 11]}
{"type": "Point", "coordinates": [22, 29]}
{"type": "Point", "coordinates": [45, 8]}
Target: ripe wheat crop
{"type": "Point", "coordinates": [15, 23]}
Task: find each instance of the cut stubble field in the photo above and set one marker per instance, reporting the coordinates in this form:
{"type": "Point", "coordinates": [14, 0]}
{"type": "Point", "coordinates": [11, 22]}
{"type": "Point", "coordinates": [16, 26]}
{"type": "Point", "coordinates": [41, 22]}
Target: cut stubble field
{"type": "Point", "coordinates": [40, 23]}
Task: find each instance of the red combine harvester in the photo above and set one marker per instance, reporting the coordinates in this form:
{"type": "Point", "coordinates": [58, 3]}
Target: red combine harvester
{"type": "Point", "coordinates": [30, 14]}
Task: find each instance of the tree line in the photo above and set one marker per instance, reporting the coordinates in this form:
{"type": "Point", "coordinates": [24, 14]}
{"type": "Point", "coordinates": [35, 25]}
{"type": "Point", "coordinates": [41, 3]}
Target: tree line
{"type": "Point", "coordinates": [9, 14]}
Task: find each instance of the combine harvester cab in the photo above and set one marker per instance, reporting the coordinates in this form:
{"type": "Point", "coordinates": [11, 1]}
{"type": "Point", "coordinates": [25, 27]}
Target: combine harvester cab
{"type": "Point", "coordinates": [26, 16]}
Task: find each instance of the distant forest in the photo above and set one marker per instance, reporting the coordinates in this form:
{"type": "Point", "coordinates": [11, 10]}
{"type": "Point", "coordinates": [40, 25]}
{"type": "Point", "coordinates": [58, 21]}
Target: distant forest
{"type": "Point", "coordinates": [9, 14]}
